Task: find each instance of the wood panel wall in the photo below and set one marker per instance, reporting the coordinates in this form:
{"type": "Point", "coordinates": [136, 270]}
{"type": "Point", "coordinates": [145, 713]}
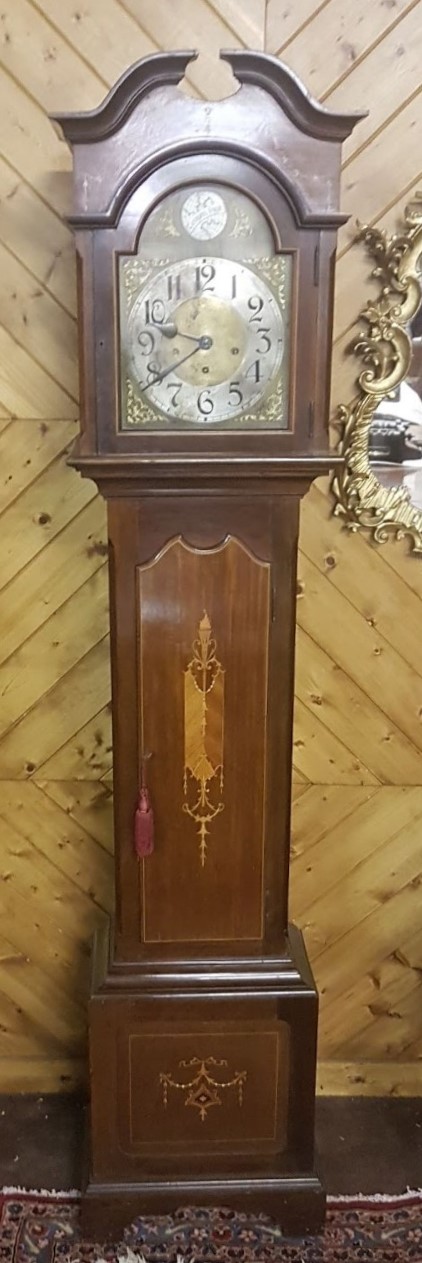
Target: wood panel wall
{"type": "Point", "coordinates": [356, 879]}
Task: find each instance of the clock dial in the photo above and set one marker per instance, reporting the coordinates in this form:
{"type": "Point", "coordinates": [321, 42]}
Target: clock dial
{"type": "Point", "coordinates": [207, 219]}
{"type": "Point", "coordinates": [206, 340]}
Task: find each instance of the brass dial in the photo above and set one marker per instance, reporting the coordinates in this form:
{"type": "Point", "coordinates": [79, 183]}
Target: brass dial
{"type": "Point", "coordinates": [206, 339]}
{"type": "Point", "coordinates": [224, 341]}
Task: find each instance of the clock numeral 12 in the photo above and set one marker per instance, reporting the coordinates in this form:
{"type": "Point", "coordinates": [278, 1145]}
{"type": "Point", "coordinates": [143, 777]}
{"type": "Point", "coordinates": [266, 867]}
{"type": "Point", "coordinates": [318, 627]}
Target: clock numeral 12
{"type": "Point", "coordinates": [203, 277]}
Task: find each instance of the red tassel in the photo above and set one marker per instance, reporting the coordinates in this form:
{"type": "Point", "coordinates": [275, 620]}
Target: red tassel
{"type": "Point", "coordinates": [144, 825]}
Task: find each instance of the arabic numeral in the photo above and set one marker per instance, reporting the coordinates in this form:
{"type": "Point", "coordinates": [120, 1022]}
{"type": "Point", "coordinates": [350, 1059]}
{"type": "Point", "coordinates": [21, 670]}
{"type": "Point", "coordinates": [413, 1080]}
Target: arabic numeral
{"type": "Point", "coordinates": [146, 342]}
{"type": "Point", "coordinates": [255, 304]}
{"type": "Point", "coordinates": [235, 395]}
{"type": "Point", "coordinates": [155, 312]}
{"type": "Point", "coordinates": [254, 371]}
{"type": "Point", "coordinates": [264, 340]}
{"type": "Point", "coordinates": [205, 403]}
{"type": "Point", "coordinates": [204, 275]}
{"type": "Point", "coordinates": [153, 371]}
{"type": "Point", "coordinates": [176, 388]}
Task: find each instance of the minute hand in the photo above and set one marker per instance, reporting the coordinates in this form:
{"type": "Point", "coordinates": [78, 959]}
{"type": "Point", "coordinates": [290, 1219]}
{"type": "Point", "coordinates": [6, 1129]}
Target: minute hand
{"type": "Point", "coordinates": [159, 377]}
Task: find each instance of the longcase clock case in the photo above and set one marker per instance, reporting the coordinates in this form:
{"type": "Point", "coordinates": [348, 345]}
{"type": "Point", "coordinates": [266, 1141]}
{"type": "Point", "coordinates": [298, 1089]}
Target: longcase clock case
{"type": "Point", "coordinates": [203, 1009]}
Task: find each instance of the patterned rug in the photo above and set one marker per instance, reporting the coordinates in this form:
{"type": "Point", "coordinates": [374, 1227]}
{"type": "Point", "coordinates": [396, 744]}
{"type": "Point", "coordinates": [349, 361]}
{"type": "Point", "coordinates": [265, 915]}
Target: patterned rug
{"type": "Point", "coordinates": [44, 1228]}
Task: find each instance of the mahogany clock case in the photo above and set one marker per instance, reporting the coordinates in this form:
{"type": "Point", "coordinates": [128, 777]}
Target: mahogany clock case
{"type": "Point", "coordinates": [203, 1010]}
{"type": "Point", "coordinates": [270, 142]}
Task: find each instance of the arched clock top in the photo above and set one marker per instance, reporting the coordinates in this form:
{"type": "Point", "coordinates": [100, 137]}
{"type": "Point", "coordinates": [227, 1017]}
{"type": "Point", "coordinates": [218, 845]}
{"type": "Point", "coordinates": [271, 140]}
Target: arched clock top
{"type": "Point", "coordinates": [162, 69]}
{"type": "Point", "coordinates": [291, 95]}
{"type": "Point", "coordinates": [138, 184]}
{"type": "Point", "coordinates": [147, 121]}
{"type": "Point", "coordinates": [216, 344]}
{"type": "Point", "coordinates": [276, 196]}
{"type": "Point", "coordinates": [146, 75]}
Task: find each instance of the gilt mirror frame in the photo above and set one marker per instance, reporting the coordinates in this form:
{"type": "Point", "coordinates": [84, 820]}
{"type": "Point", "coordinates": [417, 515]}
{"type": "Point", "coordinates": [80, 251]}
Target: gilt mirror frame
{"type": "Point", "coordinates": [384, 348]}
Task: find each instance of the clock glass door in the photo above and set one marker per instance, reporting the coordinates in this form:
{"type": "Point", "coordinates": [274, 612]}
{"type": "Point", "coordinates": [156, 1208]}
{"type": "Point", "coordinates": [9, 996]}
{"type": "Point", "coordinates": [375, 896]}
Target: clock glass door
{"type": "Point", "coordinates": [205, 316]}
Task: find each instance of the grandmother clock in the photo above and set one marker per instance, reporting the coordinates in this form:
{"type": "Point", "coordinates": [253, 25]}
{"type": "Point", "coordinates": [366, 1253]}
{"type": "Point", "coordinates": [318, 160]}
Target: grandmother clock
{"type": "Point", "coordinates": [205, 237]}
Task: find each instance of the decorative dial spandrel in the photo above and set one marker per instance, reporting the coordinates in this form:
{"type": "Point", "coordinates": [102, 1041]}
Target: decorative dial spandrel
{"type": "Point", "coordinates": [205, 342]}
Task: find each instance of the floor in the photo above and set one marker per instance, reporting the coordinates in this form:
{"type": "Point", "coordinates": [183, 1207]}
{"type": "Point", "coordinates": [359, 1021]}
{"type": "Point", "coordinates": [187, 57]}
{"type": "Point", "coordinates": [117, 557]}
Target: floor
{"type": "Point", "coordinates": [367, 1146]}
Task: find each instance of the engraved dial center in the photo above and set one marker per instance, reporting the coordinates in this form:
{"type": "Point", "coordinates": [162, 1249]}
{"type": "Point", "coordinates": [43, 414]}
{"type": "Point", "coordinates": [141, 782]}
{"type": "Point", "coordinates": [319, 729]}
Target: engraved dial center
{"type": "Point", "coordinates": [222, 341]}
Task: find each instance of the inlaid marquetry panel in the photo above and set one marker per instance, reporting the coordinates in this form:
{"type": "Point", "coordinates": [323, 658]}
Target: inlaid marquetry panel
{"type": "Point", "coordinates": [358, 734]}
{"type": "Point", "coordinates": [197, 1088]}
{"type": "Point", "coordinates": [203, 645]}
{"type": "Point", "coordinates": [203, 773]}
{"type": "Point", "coordinates": [202, 1091]}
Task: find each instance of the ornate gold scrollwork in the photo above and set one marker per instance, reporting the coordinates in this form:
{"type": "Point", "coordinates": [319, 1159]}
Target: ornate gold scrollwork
{"type": "Point", "coordinates": [202, 1090]}
{"type": "Point", "coordinates": [385, 350]}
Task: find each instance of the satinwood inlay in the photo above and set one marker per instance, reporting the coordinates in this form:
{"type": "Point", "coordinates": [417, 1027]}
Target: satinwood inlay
{"type": "Point", "coordinates": [204, 733]}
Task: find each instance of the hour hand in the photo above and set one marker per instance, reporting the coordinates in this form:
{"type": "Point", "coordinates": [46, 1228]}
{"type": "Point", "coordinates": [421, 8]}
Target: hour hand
{"type": "Point", "coordinates": [170, 330]}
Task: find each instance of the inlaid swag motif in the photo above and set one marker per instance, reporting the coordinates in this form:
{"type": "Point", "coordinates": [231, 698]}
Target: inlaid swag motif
{"type": "Point", "coordinates": [203, 1091]}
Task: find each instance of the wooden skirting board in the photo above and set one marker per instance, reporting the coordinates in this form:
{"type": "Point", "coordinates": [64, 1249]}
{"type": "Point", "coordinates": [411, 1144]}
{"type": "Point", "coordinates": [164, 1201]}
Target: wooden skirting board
{"type": "Point", "coordinates": [334, 1078]}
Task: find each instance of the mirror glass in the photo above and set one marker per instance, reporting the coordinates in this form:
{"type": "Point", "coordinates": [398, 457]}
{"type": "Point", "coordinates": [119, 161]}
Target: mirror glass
{"type": "Point", "coordinates": [378, 487]}
{"type": "Point", "coordinates": [395, 435]}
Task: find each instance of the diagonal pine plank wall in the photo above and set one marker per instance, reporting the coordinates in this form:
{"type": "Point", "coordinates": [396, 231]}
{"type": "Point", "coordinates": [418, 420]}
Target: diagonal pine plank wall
{"type": "Point", "coordinates": [356, 876]}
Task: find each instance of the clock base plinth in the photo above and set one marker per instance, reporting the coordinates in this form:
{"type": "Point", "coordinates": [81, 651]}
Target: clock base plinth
{"type": "Point", "coordinates": [295, 1203]}
{"type": "Point", "coordinates": [203, 1088]}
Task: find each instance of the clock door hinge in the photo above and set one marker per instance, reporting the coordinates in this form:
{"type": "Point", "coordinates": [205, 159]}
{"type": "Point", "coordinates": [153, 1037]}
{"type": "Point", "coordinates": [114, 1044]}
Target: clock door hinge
{"type": "Point", "coordinates": [317, 260]}
{"type": "Point", "coordinates": [311, 418]}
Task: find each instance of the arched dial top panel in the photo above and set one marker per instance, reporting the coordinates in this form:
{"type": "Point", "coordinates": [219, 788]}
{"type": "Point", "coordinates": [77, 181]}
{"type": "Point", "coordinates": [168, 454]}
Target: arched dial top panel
{"type": "Point", "coordinates": [205, 308]}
